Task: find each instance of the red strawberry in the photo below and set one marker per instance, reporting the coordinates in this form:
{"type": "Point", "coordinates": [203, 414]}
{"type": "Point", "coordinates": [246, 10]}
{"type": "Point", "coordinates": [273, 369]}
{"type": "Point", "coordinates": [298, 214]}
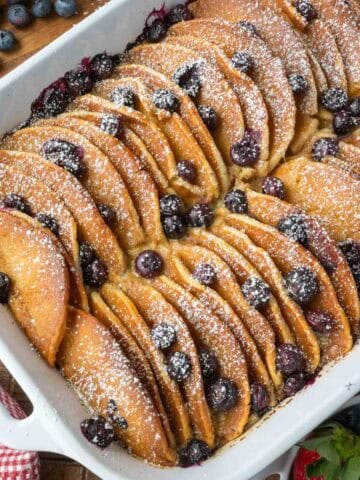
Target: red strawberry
{"type": "Point", "coordinates": [302, 460]}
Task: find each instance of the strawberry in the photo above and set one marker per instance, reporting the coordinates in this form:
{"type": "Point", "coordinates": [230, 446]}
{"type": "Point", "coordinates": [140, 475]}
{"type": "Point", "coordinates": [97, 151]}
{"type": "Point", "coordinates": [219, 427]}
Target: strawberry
{"type": "Point", "coordinates": [302, 460]}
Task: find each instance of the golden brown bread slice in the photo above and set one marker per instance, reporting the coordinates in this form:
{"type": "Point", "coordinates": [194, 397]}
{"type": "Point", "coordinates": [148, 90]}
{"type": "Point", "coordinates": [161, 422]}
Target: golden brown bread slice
{"type": "Point", "coordinates": [174, 403]}
{"type": "Point", "coordinates": [90, 224]}
{"type": "Point", "coordinates": [39, 282]}
{"type": "Point", "coordinates": [139, 184]}
{"type": "Point", "coordinates": [155, 310]}
{"type": "Point", "coordinates": [289, 255]}
{"type": "Point", "coordinates": [178, 134]}
{"type": "Point", "coordinates": [268, 74]}
{"type": "Point", "coordinates": [305, 338]}
{"type": "Point", "coordinates": [134, 353]}
{"type": "Point", "coordinates": [94, 363]}
{"type": "Point", "coordinates": [206, 330]}
{"type": "Point", "coordinates": [282, 39]}
{"type": "Point", "coordinates": [101, 179]}
{"type": "Point", "coordinates": [187, 110]}
{"type": "Point", "coordinates": [271, 210]}
{"type": "Point", "coordinates": [339, 208]}
{"type": "Point", "coordinates": [215, 91]}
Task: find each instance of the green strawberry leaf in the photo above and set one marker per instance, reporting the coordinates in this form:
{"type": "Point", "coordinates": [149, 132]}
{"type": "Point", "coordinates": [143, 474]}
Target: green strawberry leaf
{"type": "Point", "coordinates": [325, 447]}
{"type": "Point", "coordinates": [351, 469]}
{"type": "Point", "coordinates": [323, 468]}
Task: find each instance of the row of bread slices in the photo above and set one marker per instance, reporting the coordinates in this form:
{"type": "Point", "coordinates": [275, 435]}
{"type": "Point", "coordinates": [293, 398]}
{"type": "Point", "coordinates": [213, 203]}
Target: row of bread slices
{"type": "Point", "coordinates": [217, 327]}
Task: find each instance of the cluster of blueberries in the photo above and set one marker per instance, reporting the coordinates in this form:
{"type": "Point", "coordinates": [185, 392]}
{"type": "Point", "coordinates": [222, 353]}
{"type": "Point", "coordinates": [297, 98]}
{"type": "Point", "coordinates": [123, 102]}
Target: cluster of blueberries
{"type": "Point", "coordinates": [19, 14]}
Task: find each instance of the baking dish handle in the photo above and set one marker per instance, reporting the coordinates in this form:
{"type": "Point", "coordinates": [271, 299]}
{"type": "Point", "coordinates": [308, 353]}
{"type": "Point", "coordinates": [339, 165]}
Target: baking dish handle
{"type": "Point", "coordinates": [26, 434]}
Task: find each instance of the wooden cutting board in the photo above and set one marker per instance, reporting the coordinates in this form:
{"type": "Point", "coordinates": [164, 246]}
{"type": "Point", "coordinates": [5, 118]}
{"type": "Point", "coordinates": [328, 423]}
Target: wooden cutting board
{"type": "Point", "coordinates": [39, 33]}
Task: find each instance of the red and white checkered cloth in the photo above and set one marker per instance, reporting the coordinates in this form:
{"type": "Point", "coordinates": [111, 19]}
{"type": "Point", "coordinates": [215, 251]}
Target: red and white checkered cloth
{"type": "Point", "coordinates": [17, 464]}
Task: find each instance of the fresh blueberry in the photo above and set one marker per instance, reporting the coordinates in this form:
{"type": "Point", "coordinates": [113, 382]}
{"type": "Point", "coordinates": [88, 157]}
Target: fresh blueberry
{"type": "Point", "coordinates": [48, 222]}
{"type": "Point", "coordinates": [96, 273]}
{"type": "Point", "coordinates": [41, 8]}
{"type": "Point", "coordinates": [209, 117]}
{"type": "Point", "coordinates": [101, 66]}
{"type": "Point", "coordinates": [302, 285]}
{"type": "Point", "coordinates": [259, 398]}
{"type": "Point", "coordinates": [246, 152]}
{"type": "Point", "coordinates": [5, 287]}
{"type": "Point", "coordinates": [351, 251]}
{"type": "Point", "coordinates": [334, 99]}
{"type": "Point", "coordinates": [222, 395]}
{"type": "Point", "coordinates": [165, 100]}
{"type": "Point", "coordinates": [186, 170]}
{"type": "Point", "coordinates": [156, 31]}
{"type": "Point", "coordinates": [297, 83]}
{"type": "Point", "coordinates": [17, 202]}
{"type": "Point", "coordinates": [256, 292]}
{"type": "Point", "coordinates": [294, 226]}
{"type": "Point", "coordinates": [111, 124]}
{"type": "Point", "coordinates": [273, 186]}
{"type": "Point", "coordinates": [98, 431]}
{"type": "Point", "coordinates": [163, 335]}
{"type": "Point", "coordinates": [293, 384]}
{"type": "Point", "coordinates": [78, 81]}
{"type": "Point", "coordinates": [65, 155]}
{"type": "Point", "coordinates": [149, 264]}
{"type": "Point", "coordinates": [124, 97]}
{"type": "Point", "coordinates": [200, 215]}
{"type": "Point", "coordinates": [205, 274]}
{"type": "Point", "coordinates": [7, 40]}
{"type": "Point", "coordinates": [174, 226]}
{"type": "Point", "coordinates": [195, 452]}
{"type": "Point", "coordinates": [323, 147]}
{"type": "Point", "coordinates": [319, 321]}
{"type": "Point", "coordinates": [107, 213]}
{"type": "Point", "coordinates": [170, 204]}
{"type": "Point", "coordinates": [235, 201]}
{"type": "Point", "coordinates": [243, 62]}
{"type": "Point", "coordinates": [178, 366]}
{"type": "Point", "coordinates": [343, 122]}
{"type": "Point", "coordinates": [66, 8]}
{"type": "Point", "coordinates": [19, 15]}
{"type": "Point", "coordinates": [188, 78]}
{"type": "Point", "coordinates": [209, 365]}
{"type": "Point", "coordinates": [87, 254]}
{"type": "Point", "coordinates": [306, 9]}
{"type": "Point", "coordinates": [180, 13]}
{"type": "Point", "coordinates": [290, 359]}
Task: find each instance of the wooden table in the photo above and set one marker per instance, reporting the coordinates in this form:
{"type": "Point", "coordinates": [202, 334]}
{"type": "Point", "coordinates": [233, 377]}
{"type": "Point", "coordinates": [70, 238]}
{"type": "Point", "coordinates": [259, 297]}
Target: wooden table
{"type": "Point", "coordinates": [39, 33]}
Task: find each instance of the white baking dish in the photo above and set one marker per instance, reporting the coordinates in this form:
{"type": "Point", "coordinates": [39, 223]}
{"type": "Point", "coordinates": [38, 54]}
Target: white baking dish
{"type": "Point", "coordinates": [54, 423]}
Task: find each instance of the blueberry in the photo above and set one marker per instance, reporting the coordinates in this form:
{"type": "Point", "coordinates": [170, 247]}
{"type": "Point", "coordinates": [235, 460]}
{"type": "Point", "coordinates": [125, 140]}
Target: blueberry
{"type": "Point", "coordinates": [323, 147]}
{"type": "Point", "coordinates": [111, 408]}
{"type": "Point", "coordinates": [243, 62]}
{"type": "Point", "coordinates": [186, 170]}
{"type": "Point", "coordinates": [98, 431]}
{"type": "Point", "coordinates": [120, 422]}
{"type": "Point", "coordinates": [273, 186]}
{"type": "Point", "coordinates": [17, 202]}
{"type": "Point", "coordinates": [188, 78]}
{"type": "Point", "coordinates": [65, 155]}
{"type": "Point", "coordinates": [124, 97]}
{"type": "Point", "coordinates": [222, 395]}
{"type": "Point", "coordinates": [178, 366]}
{"type": "Point", "coordinates": [107, 213]}
{"type": "Point", "coordinates": [354, 107]}
{"type": "Point", "coordinates": [7, 40]}
{"type": "Point", "coordinates": [294, 226]}
{"type": "Point", "coordinates": [52, 100]}
{"type": "Point", "coordinates": [355, 270]}
{"type": "Point", "coordinates": [235, 201]}
{"type": "Point", "coordinates": [170, 204]}
{"type": "Point", "coordinates": [48, 222]}
{"type": "Point", "coordinates": [19, 15]}
{"type": "Point", "coordinates": [306, 9]}
{"type": "Point", "coordinates": [205, 274]}
{"type": "Point", "coordinates": [101, 66]}
{"type": "Point", "coordinates": [319, 321]}
{"type": "Point", "coordinates": [351, 251]}
{"type": "Point", "coordinates": [302, 285]}
{"type": "Point", "coordinates": [163, 335]}
{"type": "Point", "coordinates": [297, 83]}
{"type": "Point", "coordinates": [174, 226]}
{"type": "Point", "coordinates": [246, 152]}
{"type": "Point", "coordinates": [87, 254]}
{"type": "Point", "coordinates": [209, 117]}
{"type": "Point", "coordinates": [96, 274]}
{"type": "Point", "coordinates": [165, 100]}
{"type": "Point", "coordinates": [5, 287]}
{"type": "Point", "coordinates": [156, 31]}
{"type": "Point", "coordinates": [41, 8]}
{"type": "Point", "coordinates": [259, 398]}
{"type": "Point", "coordinates": [349, 418]}
{"type": "Point", "coordinates": [180, 13]}
{"type": "Point", "coordinates": [343, 122]}
{"type": "Point", "coordinates": [209, 365]}
{"type": "Point", "coordinates": [78, 81]}
{"type": "Point", "coordinates": [149, 264]}
{"type": "Point", "coordinates": [201, 215]}
{"type": "Point", "coordinates": [290, 359]}
{"type": "Point", "coordinates": [334, 99]}
{"type": "Point", "coordinates": [111, 124]}
{"type": "Point", "coordinates": [66, 8]}
{"type": "Point", "coordinates": [195, 452]}
{"type": "Point", "coordinates": [293, 384]}
{"type": "Point", "coordinates": [247, 26]}
{"type": "Point", "coordinates": [256, 292]}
